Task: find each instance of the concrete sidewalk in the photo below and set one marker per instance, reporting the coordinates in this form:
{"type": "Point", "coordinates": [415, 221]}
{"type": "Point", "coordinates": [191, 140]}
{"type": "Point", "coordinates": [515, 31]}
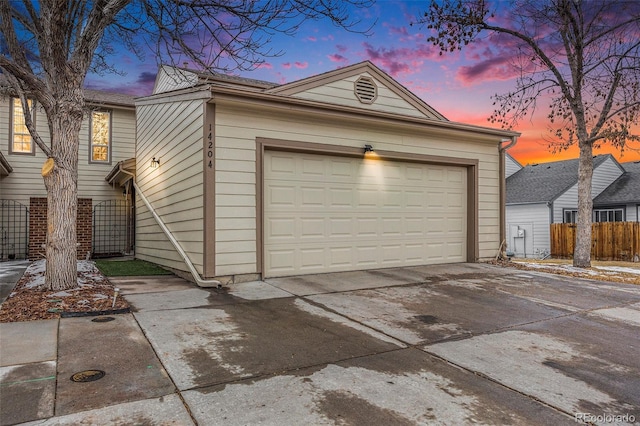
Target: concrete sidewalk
{"type": "Point", "coordinates": [455, 344]}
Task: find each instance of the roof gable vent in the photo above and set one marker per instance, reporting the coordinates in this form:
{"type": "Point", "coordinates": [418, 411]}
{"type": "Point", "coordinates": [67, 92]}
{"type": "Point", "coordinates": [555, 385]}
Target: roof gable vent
{"type": "Point", "coordinates": [366, 90]}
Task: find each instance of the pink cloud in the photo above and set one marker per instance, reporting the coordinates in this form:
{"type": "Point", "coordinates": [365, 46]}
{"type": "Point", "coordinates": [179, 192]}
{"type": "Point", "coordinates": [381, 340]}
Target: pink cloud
{"type": "Point", "coordinates": [401, 60]}
{"type": "Point", "coordinates": [265, 66]}
{"type": "Point", "coordinates": [336, 57]}
{"type": "Point", "coordinates": [341, 48]}
{"type": "Point", "coordinates": [494, 68]}
{"type": "Point", "coordinates": [312, 38]}
{"type": "Point", "coordinates": [286, 65]}
{"type": "Point", "coordinates": [301, 65]}
{"type": "Point", "coordinates": [396, 31]}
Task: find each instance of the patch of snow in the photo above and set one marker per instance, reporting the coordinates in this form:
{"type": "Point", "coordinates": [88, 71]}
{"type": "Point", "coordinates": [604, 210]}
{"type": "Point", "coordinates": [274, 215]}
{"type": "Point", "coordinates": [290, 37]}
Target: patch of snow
{"type": "Point", "coordinates": [626, 270]}
{"type": "Point", "coordinates": [100, 296]}
{"type": "Point", "coordinates": [88, 273]}
{"type": "Point", "coordinates": [61, 294]}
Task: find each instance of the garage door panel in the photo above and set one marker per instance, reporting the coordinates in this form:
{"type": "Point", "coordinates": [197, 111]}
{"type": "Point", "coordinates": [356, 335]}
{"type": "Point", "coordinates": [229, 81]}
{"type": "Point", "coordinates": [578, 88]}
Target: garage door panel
{"type": "Point", "coordinates": [309, 259]}
{"type": "Point", "coordinates": [340, 227]}
{"type": "Point", "coordinates": [311, 196]}
{"type": "Point", "coordinates": [323, 215]}
{"type": "Point", "coordinates": [312, 167]}
{"type": "Point", "coordinates": [340, 197]}
{"type": "Point", "coordinates": [341, 169]}
{"type": "Point", "coordinates": [366, 227]}
{"type": "Point", "coordinates": [280, 229]}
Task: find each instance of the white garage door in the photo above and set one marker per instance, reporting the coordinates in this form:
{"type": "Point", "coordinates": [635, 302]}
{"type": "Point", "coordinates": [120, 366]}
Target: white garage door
{"type": "Point", "coordinates": [328, 214]}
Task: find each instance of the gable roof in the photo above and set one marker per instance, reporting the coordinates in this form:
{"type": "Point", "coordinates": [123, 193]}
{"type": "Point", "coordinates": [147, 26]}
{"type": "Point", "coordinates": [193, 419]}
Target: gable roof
{"type": "Point", "coordinates": [542, 183]}
{"type": "Point", "coordinates": [180, 84]}
{"type": "Point", "coordinates": [625, 189]}
{"type": "Point", "coordinates": [352, 70]}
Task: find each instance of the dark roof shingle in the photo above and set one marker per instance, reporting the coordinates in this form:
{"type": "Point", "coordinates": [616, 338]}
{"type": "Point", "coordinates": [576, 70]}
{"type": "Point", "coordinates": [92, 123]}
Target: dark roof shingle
{"type": "Point", "coordinates": [625, 190]}
{"type": "Point", "coordinates": [544, 182]}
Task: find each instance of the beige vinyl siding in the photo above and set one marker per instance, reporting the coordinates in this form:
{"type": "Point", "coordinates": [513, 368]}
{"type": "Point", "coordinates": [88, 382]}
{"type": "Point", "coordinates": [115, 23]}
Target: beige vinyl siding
{"type": "Point", "coordinates": [171, 132]}
{"type": "Point", "coordinates": [238, 127]}
{"type": "Point", "coordinates": [26, 181]}
{"type": "Point", "coordinates": [342, 92]}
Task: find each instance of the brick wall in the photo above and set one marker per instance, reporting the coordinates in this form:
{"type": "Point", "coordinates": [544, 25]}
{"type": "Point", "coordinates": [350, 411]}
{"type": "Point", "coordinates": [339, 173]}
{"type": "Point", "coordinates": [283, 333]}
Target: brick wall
{"type": "Point", "coordinates": [38, 227]}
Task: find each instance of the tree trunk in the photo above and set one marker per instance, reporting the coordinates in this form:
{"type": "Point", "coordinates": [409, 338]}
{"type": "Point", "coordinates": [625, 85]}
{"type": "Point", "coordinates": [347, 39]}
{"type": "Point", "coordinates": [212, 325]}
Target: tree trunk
{"type": "Point", "coordinates": [61, 182]}
{"type": "Point", "coordinates": [582, 251]}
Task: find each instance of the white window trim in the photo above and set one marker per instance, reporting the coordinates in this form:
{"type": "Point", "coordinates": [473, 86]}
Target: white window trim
{"type": "Point", "coordinates": [598, 213]}
{"type": "Point", "coordinates": [574, 214]}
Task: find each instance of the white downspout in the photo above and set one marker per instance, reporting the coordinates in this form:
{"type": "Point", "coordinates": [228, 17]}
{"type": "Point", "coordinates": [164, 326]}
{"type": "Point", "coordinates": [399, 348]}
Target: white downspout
{"type": "Point", "coordinates": [176, 244]}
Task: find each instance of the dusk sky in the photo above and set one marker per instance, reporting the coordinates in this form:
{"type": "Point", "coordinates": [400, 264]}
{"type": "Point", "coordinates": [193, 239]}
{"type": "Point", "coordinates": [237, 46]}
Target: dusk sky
{"type": "Point", "coordinates": [459, 85]}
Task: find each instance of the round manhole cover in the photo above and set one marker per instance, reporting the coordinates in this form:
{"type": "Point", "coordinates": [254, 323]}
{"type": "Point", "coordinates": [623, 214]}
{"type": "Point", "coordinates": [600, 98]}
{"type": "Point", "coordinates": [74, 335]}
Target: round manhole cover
{"type": "Point", "coordinates": [87, 376]}
{"type": "Point", "coordinates": [103, 319]}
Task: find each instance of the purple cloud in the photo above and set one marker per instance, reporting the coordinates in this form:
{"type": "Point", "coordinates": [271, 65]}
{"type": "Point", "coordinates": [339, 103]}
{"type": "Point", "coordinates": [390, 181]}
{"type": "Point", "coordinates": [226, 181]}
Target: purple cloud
{"type": "Point", "coordinates": [336, 57]}
{"type": "Point", "coordinates": [401, 60]}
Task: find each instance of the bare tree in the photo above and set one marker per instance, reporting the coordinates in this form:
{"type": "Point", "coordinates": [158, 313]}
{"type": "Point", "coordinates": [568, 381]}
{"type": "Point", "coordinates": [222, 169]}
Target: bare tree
{"type": "Point", "coordinates": [583, 56]}
{"type": "Point", "coordinates": [49, 46]}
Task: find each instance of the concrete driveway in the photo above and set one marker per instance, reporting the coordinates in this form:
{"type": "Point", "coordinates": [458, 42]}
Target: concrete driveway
{"type": "Point", "coordinates": [456, 344]}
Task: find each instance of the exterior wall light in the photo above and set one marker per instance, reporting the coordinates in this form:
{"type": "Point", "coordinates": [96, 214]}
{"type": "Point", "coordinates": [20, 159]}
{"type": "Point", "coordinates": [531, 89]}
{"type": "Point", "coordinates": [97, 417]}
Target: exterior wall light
{"type": "Point", "coordinates": [368, 148]}
{"type": "Point", "coordinates": [155, 163]}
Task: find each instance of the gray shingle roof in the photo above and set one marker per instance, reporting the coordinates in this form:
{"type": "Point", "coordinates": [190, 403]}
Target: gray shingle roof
{"type": "Point", "coordinates": [212, 77]}
{"type": "Point", "coordinates": [544, 182]}
{"type": "Point", "coordinates": [96, 97]}
{"type": "Point", "coordinates": [108, 98]}
{"type": "Point", "coordinates": [625, 190]}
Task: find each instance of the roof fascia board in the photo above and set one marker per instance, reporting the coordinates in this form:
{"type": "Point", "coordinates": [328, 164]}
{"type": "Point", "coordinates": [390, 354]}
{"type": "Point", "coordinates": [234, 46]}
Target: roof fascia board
{"type": "Point", "coordinates": [241, 97]}
{"type": "Point", "coordinates": [359, 68]}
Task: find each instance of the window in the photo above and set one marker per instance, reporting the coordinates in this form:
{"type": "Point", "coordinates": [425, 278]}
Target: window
{"type": "Point", "coordinates": [20, 142]}
{"type": "Point", "coordinates": [570, 216]}
{"type": "Point", "coordinates": [100, 137]}
{"type": "Point", "coordinates": [608, 215]}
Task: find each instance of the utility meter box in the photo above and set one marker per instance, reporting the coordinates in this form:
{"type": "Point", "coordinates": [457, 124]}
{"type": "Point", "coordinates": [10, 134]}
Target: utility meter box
{"type": "Point", "coordinates": [520, 233]}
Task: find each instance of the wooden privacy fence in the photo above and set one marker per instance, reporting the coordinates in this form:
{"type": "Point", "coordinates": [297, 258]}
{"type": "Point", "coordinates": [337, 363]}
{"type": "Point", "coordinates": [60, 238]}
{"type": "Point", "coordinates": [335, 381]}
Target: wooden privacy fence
{"type": "Point", "coordinates": [609, 240]}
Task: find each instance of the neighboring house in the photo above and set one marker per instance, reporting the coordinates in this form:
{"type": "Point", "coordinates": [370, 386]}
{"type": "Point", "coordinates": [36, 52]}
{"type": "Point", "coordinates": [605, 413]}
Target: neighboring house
{"type": "Point", "coordinates": [104, 218]}
{"type": "Point", "coordinates": [621, 200]}
{"type": "Point", "coordinates": [342, 171]}
{"type": "Point", "coordinates": [545, 193]}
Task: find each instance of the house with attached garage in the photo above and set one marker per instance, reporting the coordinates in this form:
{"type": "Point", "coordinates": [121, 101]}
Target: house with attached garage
{"type": "Point", "coordinates": [105, 215]}
{"type": "Point", "coordinates": [541, 194]}
{"type": "Point", "coordinates": [238, 179]}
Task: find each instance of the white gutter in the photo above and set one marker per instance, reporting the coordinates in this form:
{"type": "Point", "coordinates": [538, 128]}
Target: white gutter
{"type": "Point", "coordinates": [167, 232]}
